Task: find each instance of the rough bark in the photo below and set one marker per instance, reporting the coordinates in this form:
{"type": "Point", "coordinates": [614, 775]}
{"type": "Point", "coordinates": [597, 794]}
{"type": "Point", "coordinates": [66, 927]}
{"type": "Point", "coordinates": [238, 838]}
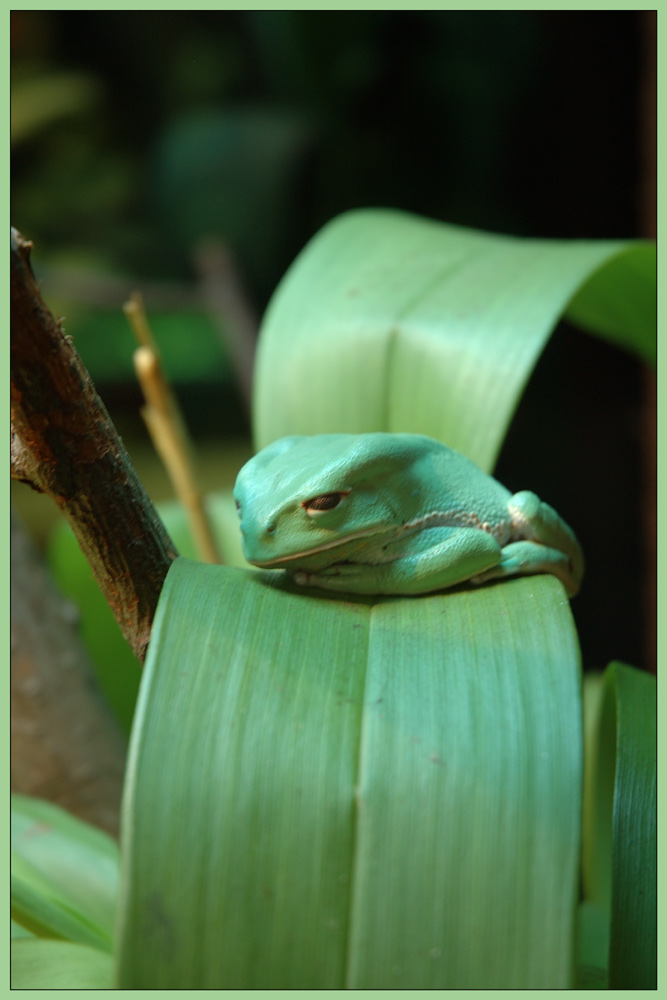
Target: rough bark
{"type": "Point", "coordinates": [65, 445]}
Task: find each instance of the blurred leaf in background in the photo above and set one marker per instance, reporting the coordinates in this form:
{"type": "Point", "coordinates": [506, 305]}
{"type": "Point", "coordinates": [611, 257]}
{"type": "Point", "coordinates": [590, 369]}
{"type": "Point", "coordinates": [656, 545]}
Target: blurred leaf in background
{"type": "Point", "coordinates": [233, 172]}
{"type": "Point", "coordinates": [306, 114]}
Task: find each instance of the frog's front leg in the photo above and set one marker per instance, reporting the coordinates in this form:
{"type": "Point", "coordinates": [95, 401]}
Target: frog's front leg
{"type": "Point", "coordinates": [542, 543]}
{"type": "Point", "coordinates": [432, 560]}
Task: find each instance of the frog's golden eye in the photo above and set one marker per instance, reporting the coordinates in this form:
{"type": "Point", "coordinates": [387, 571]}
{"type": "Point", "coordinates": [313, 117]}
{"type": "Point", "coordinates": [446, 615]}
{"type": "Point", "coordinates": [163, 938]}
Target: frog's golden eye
{"type": "Point", "coordinates": [326, 501]}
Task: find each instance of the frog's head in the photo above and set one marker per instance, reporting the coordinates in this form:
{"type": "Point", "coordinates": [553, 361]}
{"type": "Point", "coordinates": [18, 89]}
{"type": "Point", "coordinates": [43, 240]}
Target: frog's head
{"type": "Point", "coordinates": [301, 497]}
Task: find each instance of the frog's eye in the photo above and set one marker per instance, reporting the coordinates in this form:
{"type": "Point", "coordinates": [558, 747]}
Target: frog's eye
{"type": "Point", "coordinates": [326, 501]}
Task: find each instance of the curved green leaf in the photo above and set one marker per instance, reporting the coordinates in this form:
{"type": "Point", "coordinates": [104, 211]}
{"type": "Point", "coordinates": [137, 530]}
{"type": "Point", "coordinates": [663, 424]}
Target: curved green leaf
{"type": "Point", "coordinates": [391, 322]}
{"type": "Point", "coordinates": [59, 965]}
{"type": "Point", "coordinates": [327, 793]}
{"type": "Point", "coordinates": [64, 874]}
{"type": "Point", "coordinates": [619, 301]}
{"type": "Point", "coordinates": [620, 831]}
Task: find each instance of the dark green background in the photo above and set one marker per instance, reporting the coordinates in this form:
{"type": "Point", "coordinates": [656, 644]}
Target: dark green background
{"type": "Point", "coordinates": [258, 127]}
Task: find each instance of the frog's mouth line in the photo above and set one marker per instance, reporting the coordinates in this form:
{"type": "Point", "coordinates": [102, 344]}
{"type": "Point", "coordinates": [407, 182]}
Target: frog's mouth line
{"type": "Point", "coordinates": [325, 547]}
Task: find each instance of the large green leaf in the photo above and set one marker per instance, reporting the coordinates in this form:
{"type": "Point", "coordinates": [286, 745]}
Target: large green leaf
{"type": "Point", "coordinates": [328, 793]}
{"type": "Point", "coordinates": [620, 826]}
{"type": "Point", "coordinates": [59, 965]}
{"type": "Point", "coordinates": [392, 322]}
{"type": "Point", "coordinates": [64, 874]}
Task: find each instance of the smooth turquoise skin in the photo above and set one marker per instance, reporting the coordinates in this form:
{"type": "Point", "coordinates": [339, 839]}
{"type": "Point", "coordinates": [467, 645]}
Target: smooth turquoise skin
{"type": "Point", "coordinates": [393, 514]}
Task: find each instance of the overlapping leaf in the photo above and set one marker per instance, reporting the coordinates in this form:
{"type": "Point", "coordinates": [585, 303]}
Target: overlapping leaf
{"type": "Point", "coordinates": [64, 874]}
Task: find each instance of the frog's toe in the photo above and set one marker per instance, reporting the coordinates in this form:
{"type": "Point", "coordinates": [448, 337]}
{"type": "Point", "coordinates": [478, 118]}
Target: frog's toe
{"type": "Point", "coordinates": [524, 558]}
{"type": "Point", "coordinates": [534, 520]}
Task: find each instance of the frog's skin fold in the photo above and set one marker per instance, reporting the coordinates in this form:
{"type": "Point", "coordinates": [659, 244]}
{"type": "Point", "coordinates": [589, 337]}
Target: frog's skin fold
{"type": "Point", "coordinates": [393, 514]}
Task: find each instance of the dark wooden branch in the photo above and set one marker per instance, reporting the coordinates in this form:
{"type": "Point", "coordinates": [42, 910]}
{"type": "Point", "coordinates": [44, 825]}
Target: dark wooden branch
{"type": "Point", "coordinates": [65, 445]}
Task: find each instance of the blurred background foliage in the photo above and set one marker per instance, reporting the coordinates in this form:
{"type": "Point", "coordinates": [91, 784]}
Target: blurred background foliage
{"type": "Point", "coordinates": [139, 137]}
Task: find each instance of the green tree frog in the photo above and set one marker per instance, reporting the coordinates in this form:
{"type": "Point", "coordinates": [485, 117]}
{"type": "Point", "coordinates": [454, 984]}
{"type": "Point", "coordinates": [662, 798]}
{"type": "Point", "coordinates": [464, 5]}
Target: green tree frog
{"type": "Point", "coordinates": [393, 514]}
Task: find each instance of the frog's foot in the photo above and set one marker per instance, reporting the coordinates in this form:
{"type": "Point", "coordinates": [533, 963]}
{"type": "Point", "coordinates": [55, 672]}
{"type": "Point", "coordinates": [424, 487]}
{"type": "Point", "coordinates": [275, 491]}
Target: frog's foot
{"type": "Point", "coordinates": [522, 558]}
{"type": "Point", "coordinates": [534, 520]}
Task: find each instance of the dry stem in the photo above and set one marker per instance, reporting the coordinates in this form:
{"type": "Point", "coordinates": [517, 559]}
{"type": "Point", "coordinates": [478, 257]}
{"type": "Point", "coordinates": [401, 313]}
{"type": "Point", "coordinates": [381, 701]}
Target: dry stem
{"type": "Point", "coordinates": [168, 432]}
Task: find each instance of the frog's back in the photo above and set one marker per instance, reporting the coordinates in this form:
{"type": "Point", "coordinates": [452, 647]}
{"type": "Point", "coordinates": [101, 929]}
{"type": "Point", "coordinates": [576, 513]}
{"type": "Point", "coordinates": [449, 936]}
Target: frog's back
{"type": "Point", "coordinates": [416, 474]}
{"type": "Point", "coordinates": [435, 476]}
{"type": "Point", "coordinates": [452, 482]}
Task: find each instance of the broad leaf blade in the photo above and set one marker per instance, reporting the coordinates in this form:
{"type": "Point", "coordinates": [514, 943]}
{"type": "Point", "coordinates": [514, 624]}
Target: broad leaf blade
{"type": "Point", "coordinates": [36, 907]}
{"type": "Point", "coordinates": [238, 877]}
{"type": "Point", "coordinates": [327, 793]}
{"type": "Point", "coordinates": [59, 965]}
{"type": "Point", "coordinates": [471, 755]}
{"type": "Point", "coordinates": [620, 826]}
{"type": "Point", "coordinates": [64, 874]}
{"type": "Point", "coordinates": [633, 943]}
{"type": "Point", "coordinates": [392, 322]}
{"type": "Point", "coordinates": [619, 301]}
{"type": "Point", "coordinates": [628, 734]}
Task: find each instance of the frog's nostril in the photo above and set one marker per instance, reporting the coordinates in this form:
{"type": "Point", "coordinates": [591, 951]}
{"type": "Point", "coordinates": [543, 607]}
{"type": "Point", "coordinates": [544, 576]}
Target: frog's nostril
{"type": "Point", "coordinates": [270, 528]}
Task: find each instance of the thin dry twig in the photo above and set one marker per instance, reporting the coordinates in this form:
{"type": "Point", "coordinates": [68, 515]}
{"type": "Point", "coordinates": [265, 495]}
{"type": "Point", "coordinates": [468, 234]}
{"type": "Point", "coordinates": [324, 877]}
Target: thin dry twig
{"type": "Point", "coordinates": [222, 289]}
{"type": "Point", "coordinates": [163, 418]}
